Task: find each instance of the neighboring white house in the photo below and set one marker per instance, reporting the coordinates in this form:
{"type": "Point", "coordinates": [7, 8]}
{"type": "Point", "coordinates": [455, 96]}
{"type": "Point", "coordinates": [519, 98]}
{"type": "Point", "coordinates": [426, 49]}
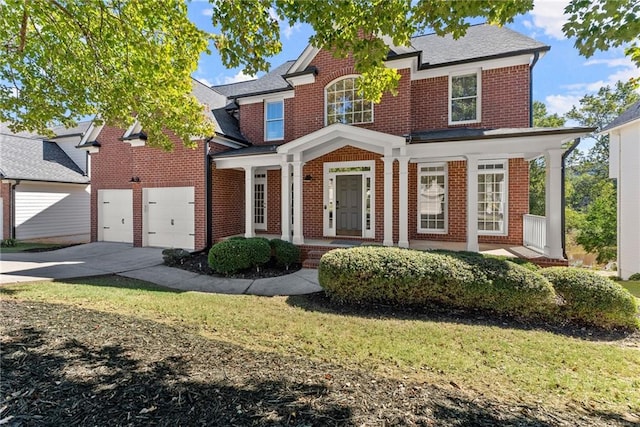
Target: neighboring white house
{"type": "Point", "coordinates": [45, 188]}
{"type": "Point", "coordinates": [624, 166]}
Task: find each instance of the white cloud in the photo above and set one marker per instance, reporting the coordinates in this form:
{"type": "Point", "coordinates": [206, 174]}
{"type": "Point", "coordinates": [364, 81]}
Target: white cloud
{"type": "Point", "coordinates": [560, 104]}
{"type": "Point", "coordinates": [239, 77]}
{"type": "Point", "coordinates": [549, 16]}
{"type": "Point", "coordinates": [612, 62]}
{"type": "Point", "coordinates": [207, 12]}
{"type": "Point", "coordinates": [285, 29]}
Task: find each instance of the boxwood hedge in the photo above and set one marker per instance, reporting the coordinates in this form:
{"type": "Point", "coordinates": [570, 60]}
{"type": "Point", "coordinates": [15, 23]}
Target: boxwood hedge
{"type": "Point", "coordinates": [233, 255]}
{"type": "Point", "coordinates": [284, 253]}
{"type": "Point", "coordinates": [594, 299]}
{"type": "Point", "coordinates": [401, 276]}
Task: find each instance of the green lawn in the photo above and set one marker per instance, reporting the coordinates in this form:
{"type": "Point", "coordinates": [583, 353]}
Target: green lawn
{"type": "Point", "coordinates": [501, 362]}
{"type": "Point", "coordinates": [632, 286]}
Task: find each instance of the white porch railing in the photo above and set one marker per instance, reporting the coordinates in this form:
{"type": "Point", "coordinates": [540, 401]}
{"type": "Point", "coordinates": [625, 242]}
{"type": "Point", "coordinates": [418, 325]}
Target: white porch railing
{"type": "Point", "coordinates": [535, 232]}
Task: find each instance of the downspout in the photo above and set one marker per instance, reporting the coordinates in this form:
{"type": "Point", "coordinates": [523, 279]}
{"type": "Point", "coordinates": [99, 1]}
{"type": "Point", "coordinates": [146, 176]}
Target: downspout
{"type": "Point", "coordinates": [12, 211]}
{"type": "Point", "coordinates": [536, 56]}
{"type": "Point", "coordinates": [566, 154]}
{"type": "Point", "coordinates": [208, 196]}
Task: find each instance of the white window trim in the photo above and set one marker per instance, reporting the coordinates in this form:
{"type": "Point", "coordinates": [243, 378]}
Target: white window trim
{"type": "Point", "coordinates": [446, 201]}
{"type": "Point", "coordinates": [478, 73]}
{"type": "Point", "coordinates": [371, 173]}
{"type": "Point", "coordinates": [353, 76]}
{"type": "Point", "coordinates": [273, 101]}
{"type": "Point", "coordinates": [505, 220]}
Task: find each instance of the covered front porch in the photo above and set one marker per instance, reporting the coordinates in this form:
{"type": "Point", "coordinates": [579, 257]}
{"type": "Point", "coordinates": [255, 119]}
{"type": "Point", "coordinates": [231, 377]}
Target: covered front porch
{"type": "Point", "coordinates": [343, 184]}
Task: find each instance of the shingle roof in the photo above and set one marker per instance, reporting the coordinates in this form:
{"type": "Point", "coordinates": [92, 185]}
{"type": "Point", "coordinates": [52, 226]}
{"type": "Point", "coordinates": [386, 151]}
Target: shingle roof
{"type": "Point", "coordinates": [80, 129]}
{"type": "Point", "coordinates": [480, 42]}
{"type": "Point", "coordinates": [37, 160]}
{"type": "Point", "coordinates": [248, 151]}
{"type": "Point", "coordinates": [462, 134]}
{"type": "Point", "coordinates": [272, 81]}
{"type": "Point", "coordinates": [228, 125]}
{"type": "Point", "coordinates": [631, 114]}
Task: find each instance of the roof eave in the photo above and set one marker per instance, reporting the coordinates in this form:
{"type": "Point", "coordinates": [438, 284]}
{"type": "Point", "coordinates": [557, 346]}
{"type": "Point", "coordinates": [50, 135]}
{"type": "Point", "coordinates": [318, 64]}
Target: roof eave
{"type": "Point", "coordinates": [427, 66]}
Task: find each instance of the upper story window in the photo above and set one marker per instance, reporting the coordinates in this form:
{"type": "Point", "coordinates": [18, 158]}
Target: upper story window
{"type": "Point", "coordinates": [274, 120]}
{"type": "Point", "coordinates": [345, 105]}
{"type": "Point", "coordinates": [464, 98]}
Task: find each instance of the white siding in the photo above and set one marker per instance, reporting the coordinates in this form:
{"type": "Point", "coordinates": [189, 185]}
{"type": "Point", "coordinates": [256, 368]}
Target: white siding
{"type": "Point", "coordinates": [629, 201]}
{"type": "Point", "coordinates": [44, 210]}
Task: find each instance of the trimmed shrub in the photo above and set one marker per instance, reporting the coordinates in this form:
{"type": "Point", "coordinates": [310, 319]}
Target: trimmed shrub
{"type": "Point", "coordinates": [173, 256]}
{"type": "Point", "coordinates": [258, 250]}
{"type": "Point", "coordinates": [9, 243]}
{"type": "Point", "coordinates": [284, 253]}
{"type": "Point", "coordinates": [229, 256]}
{"type": "Point", "coordinates": [634, 277]}
{"type": "Point", "coordinates": [591, 298]}
{"type": "Point", "coordinates": [401, 276]}
{"type": "Point", "coordinates": [465, 256]}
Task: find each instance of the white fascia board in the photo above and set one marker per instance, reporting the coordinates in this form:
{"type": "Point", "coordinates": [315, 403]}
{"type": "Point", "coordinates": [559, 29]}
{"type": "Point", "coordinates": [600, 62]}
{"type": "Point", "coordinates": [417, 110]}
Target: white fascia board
{"type": "Point", "coordinates": [619, 127]}
{"type": "Point", "coordinates": [304, 59]}
{"type": "Point", "coordinates": [90, 149]}
{"type": "Point", "coordinates": [135, 127]}
{"type": "Point", "coordinates": [302, 79]}
{"type": "Point", "coordinates": [266, 97]}
{"type": "Point", "coordinates": [488, 64]}
{"type": "Point", "coordinates": [398, 64]}
{"type": "Point", "coordinates": [491, 148]}
{"type": "Point", "coordinates": [240, 162]}
{"type": "Point", "coordinates": [136, 142]}
{"type": "Point", "coordinates": [227, 142]}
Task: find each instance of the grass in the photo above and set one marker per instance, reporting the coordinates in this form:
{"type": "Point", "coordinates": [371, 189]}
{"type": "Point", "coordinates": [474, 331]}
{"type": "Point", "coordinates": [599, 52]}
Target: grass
{"type": "Point", "coordinates": [497, 362]}
{"type": "Point", "coordinates": [632, 286]}
{"type": "Point", "coordinates": [23, 246]}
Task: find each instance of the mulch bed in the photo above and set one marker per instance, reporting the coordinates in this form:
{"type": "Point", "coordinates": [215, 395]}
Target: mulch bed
{"type": "Point", "coordinates": [65, 365]}
{"type": "Point", "coordinates": [198, 263]}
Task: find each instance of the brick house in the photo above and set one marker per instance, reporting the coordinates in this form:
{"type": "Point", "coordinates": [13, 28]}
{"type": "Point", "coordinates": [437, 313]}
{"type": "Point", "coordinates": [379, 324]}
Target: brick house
{"type": "Point", "coordinates": [300, 155]}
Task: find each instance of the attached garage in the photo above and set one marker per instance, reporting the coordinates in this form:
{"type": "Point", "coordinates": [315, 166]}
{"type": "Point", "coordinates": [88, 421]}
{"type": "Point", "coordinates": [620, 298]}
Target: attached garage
{"type": "Point", "coordinates": [168, 217]}
{"type": "Point", "coordinates": [115, 216]}
{"type": "Point", "coordinates": [46, 210]}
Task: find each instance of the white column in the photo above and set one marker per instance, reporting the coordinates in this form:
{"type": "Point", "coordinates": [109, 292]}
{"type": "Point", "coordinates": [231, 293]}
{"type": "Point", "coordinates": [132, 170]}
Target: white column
{"type": "Point", "coordinates": [472, 204]}
{"type": "Point", "coordinates": [403, 209]}
{"type": "Point", "coordinates": [388, 201]}
{"type": "Point", "coordinates": [285, 196]}
{"type": "Point", "coordinates": [248, 200]}
{"type": "Point", "coordinates": [553, 203]}
{"type": "Point", "coordinates": [298, 238]}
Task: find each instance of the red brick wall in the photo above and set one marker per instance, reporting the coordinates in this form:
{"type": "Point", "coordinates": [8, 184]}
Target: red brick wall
{"type": "Point", "coordinates": [117, 162]}
{"type": "Point", "coordinates": [5, 194]}
{"type": "Point", "coordinates": [505, 100]}
{"type": "Point", "coordinates": [274, 203]}
{"type": "Point", "coordinates": [227, 202]}
{"type": "Point", "coordinates": [518, 180]}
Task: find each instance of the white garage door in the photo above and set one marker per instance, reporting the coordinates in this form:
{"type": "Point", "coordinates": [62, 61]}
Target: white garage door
{"type": "Point", "coordinates": [115, 216]}
{"type": "Point", "coordinates": [169, 217]}
{"type": "Point", "coordinates": [46, 210]}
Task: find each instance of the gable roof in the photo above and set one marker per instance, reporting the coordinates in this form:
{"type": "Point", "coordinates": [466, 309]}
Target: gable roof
{"type": "Point", "coordinates": [270, 82]}
{"type": "Point", "coordinates": [631, 114]}
{"type": "Point", "coordinates": [36, 160]}
{"type": "Point", "coordinates": [79, 130]}
{"type": "Point", "coordinates": [227, 125]}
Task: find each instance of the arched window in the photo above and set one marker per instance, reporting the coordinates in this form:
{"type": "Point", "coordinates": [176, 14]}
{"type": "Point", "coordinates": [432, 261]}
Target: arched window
{"type": "Point", "coordinates": [345, 105]}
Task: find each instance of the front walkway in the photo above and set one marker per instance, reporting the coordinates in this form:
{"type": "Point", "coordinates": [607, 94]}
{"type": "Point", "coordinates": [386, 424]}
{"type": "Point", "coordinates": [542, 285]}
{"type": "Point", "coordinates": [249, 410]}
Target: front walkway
{"type": "Point", "coordinates": [101, 258]}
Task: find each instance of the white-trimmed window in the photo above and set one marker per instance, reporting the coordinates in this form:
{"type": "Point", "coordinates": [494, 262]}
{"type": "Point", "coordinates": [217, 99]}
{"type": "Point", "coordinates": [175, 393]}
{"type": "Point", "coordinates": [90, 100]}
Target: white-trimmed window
{"type": "Point", "coordinates": [464, 98]}
{"type": "Point", "coordinates": [345, 105]}
{"type": "Point", "coordinates": [492, 197]}
{"type": "Point", "coordinates": [432, 198]}
{"type": "Point", "coordinates": [274, 120]}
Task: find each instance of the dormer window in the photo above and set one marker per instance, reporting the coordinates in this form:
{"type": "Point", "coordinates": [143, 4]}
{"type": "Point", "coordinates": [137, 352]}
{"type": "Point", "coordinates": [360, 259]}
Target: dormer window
{"type": "Point", "coordinates": [464, 98]}
{"type": "Point", "coordinates": [345, 105]}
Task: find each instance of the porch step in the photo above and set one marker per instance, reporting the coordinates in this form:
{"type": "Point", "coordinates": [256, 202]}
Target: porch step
{"type": "Point", "coordinates": [313, 258]}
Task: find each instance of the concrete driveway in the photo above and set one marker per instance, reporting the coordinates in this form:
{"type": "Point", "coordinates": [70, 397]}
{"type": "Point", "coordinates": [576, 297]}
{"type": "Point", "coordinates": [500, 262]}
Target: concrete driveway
{"type": "Point", "coordinates": [91, 259]}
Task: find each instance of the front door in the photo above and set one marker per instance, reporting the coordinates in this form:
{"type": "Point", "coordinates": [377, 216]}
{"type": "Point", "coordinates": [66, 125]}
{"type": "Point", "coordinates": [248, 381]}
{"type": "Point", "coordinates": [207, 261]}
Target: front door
{"type": "Point", "coordinates": [349, 205]}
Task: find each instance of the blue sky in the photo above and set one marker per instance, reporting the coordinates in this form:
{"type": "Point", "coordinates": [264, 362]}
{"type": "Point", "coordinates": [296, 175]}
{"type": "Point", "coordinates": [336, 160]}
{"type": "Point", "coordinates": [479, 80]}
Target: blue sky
{"type": "Point", "coordinates": [560, 79]}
